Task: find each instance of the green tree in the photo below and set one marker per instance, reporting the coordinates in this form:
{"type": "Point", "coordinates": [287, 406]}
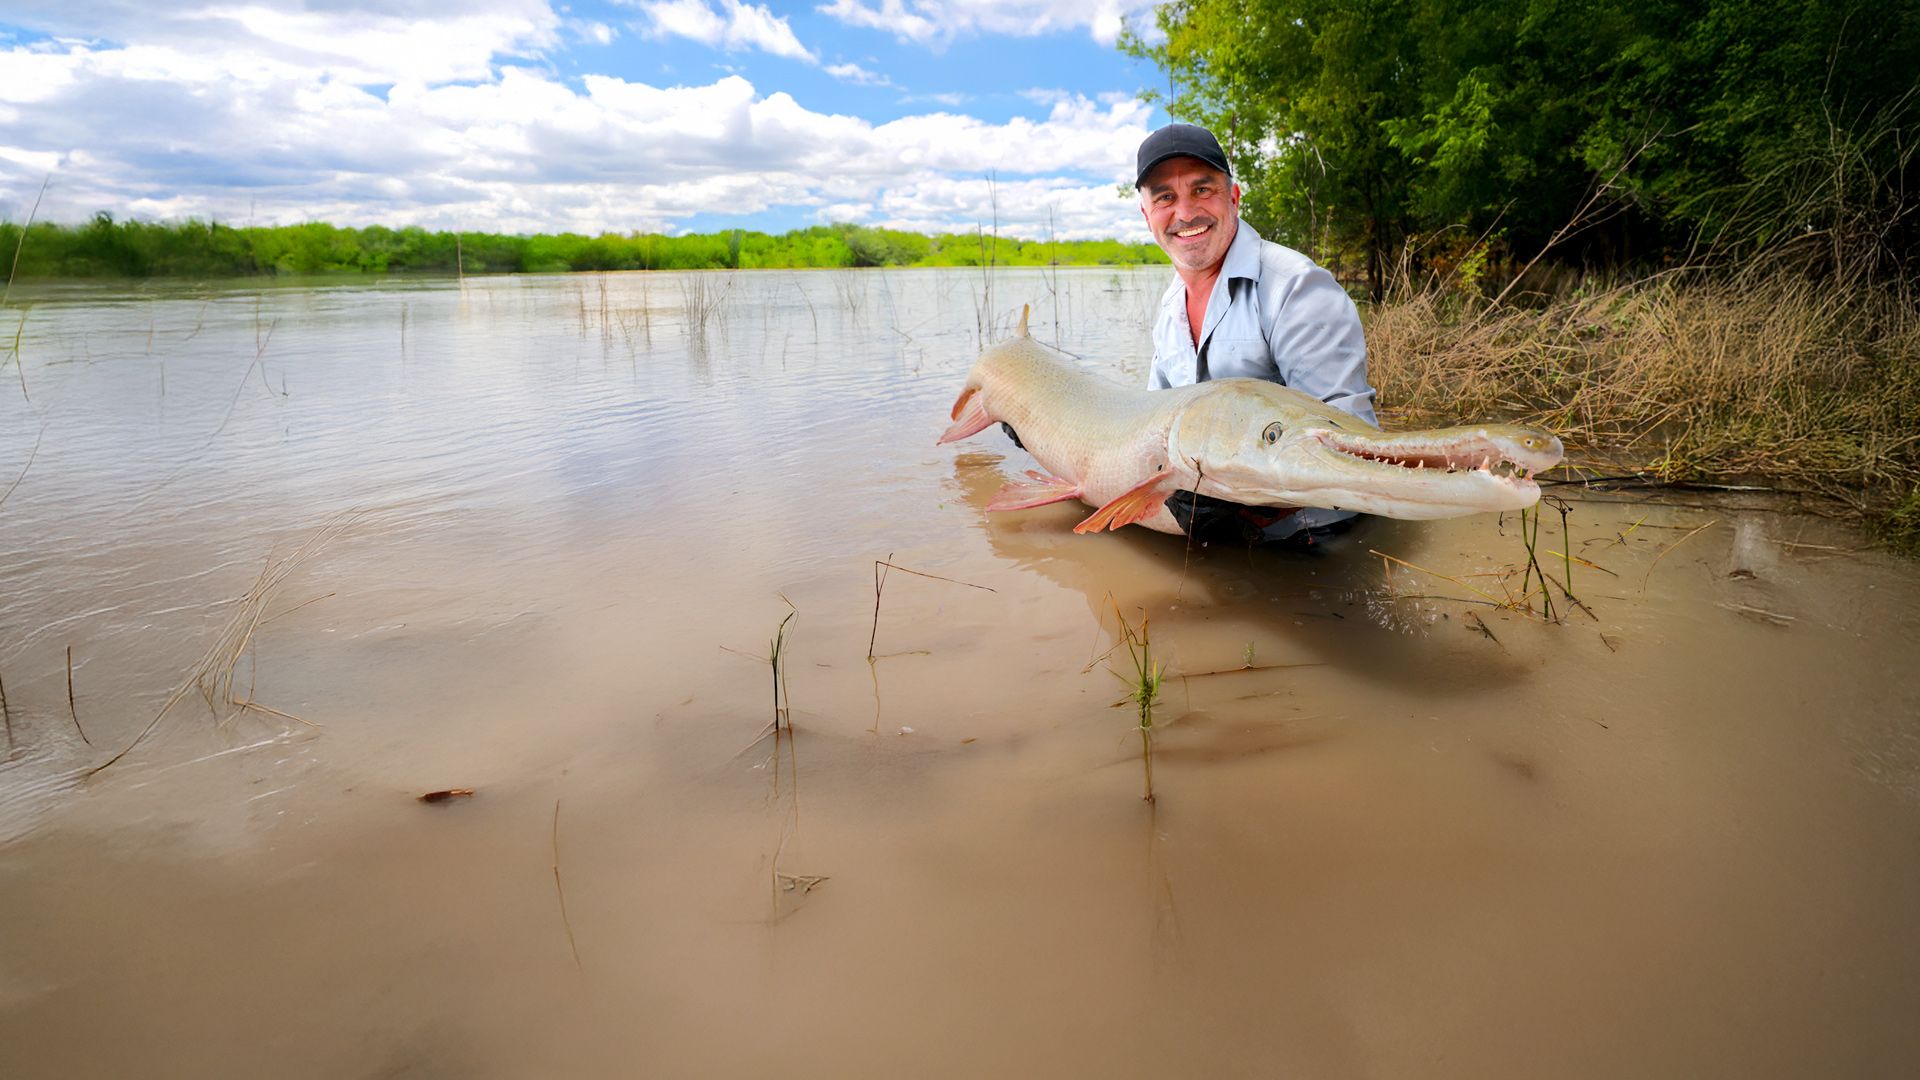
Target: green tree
{"type": "Point", "coordinates": [1649, 125]}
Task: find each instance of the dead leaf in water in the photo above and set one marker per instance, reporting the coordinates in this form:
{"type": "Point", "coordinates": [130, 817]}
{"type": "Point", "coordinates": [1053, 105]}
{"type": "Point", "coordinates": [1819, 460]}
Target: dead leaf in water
{"type": "Point", "coordinates": [447, 793]}
{"type": "Point", "coordinates": [1477, 626]}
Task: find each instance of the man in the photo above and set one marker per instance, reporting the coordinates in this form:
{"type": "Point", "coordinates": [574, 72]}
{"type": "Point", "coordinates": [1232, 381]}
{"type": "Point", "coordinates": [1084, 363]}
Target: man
{"type": "Point", "coordinates": [1242, 306]}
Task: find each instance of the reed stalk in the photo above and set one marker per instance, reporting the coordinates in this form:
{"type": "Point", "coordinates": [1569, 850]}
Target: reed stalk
{"type": "Point", "coordinates": [1143, 685]}
{"type": "Point", "coordinates": [72, 709]}
{"type": "Point", "coordinates": [782, 700]}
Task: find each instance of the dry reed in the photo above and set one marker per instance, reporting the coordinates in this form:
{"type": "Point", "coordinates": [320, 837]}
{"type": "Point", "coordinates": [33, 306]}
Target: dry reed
{"type": "Point", "coordinates": [31, 454]}
{"type": "Point", "coordinates": [72, 709]}
{"type": "Point", "coordinates": [1779, 378]}
{"type": "Point", "coordinates": [215, 673]}
{"type": "Point", "coordinates": [561, 891]}
{"type": "Point", "coordinates": [880, 569]}
{"type": "Point", "coordinates": [701, 299]}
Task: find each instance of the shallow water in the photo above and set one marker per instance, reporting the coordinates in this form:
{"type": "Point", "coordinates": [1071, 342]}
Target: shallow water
{"type": "Point", "coordinates": [1419, 836]}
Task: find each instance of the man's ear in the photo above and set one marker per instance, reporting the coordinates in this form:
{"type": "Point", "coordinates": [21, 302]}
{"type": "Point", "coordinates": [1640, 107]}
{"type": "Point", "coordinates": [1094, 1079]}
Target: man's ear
{"type": "Point", "coordinates": [1234, 192]}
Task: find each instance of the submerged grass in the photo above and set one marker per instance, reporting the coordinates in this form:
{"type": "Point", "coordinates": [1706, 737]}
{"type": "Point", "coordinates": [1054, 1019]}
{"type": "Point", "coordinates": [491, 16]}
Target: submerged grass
{"type": "Point", "coordinates": [215, 675]}
{"type": "Point", "coordinates": [1803, 385]}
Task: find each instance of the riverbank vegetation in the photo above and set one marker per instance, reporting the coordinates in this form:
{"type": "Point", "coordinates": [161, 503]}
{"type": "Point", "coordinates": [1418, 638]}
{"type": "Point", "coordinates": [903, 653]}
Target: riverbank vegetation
{"type": "Point", "coordinates": [105, 247]}
{"type": "Point", "coordinates": [1685, 235]}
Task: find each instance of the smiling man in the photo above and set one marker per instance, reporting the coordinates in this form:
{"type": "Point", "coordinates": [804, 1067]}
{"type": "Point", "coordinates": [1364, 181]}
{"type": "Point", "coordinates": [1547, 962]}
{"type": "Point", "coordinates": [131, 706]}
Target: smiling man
{"type": "Point", "coordinates": [1242, 306]}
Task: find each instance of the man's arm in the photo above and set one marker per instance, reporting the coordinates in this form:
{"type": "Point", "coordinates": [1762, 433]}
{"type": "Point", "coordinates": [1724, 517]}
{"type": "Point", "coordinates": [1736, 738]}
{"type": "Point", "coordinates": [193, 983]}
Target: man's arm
{"type": "Point", "coordinates": [1313, 331]}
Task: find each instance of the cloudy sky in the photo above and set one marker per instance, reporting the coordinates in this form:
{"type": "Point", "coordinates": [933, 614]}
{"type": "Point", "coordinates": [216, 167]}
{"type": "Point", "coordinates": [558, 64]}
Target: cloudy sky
{"type": "Point", "coordinates": [589, 115]}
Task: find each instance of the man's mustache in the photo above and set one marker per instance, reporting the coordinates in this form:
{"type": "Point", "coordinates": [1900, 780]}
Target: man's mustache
{"type": "Point", "coordinates": [1181, 225]}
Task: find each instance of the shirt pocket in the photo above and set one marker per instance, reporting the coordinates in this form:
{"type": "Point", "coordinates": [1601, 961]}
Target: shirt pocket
{"type": "Point", "coordinates": [1239, 357]}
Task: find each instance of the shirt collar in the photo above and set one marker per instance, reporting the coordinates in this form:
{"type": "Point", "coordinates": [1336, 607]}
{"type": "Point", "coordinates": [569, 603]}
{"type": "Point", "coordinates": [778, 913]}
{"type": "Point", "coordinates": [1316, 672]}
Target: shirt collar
{"type": "Point", "coordinates": [1243, 255]}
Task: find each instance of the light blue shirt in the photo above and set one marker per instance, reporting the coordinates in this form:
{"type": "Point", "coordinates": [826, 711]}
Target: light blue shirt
{"type": "Point", "coordinates": [1274, 314]}
{"type": "Point", "coordinates": [1277, 315]}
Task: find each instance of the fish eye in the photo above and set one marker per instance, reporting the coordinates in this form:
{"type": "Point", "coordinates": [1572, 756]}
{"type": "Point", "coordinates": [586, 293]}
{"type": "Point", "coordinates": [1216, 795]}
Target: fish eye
{"type": "Point", "coordinates": [1272, 434]}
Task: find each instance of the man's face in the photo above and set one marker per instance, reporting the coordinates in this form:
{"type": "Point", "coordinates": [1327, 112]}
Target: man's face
{"type": "Point", "coordinates": [1192, 209]}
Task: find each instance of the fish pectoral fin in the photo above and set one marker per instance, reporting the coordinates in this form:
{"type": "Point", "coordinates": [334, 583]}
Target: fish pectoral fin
{"type": "Point", "coordinates": [970, 416]}
{"type": "Point", "coordinates": [1039, 491]}
{"type": "Point", "coordinates": [1137, 503]}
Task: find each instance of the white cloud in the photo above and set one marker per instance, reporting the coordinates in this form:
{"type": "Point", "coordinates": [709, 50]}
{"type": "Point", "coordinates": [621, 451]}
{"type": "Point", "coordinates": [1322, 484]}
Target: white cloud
{"type": "Point", "coordinates": [161, 131]}
{"type": "Point", "coordinates": [936, 203]}
{"type": "Point", "coordinates": [597, 32]}
{"type": "Point", "coordinates": [859, 76]}
{"type": "Point", "coordinates": [432, 41]}
{"type": "Point", "coordinates": [736, 25]}
{"type": "Point", "coordinates": [447, 113]}
{"type": "Point", "coordinates": [936, 22]}
{"type": "Point", "coordinates": [952, 99]}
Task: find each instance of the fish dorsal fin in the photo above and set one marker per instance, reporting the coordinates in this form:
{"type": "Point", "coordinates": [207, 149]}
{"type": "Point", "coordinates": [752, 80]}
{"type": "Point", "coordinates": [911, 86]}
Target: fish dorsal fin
{"type": "Point", "coordinates": [1024, 308]}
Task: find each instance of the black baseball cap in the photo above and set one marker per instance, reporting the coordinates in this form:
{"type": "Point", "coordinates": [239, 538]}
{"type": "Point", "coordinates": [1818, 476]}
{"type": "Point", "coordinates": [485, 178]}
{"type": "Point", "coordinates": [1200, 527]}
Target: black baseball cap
{"type": "Point", "coordinates": [1180, 140]}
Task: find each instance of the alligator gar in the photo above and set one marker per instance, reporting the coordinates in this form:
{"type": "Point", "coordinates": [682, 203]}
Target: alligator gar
{"type": "Point", "coordinates": [1126, 450]}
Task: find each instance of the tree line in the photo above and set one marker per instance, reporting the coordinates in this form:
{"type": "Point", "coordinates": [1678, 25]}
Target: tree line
{"type": "Point", "coordinates": [131, 248]}
{"type": "Point", "coordinates": [1396, 135]}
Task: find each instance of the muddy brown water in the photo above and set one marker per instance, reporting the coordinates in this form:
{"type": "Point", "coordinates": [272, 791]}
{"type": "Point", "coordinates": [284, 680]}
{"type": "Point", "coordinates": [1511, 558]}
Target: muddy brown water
{"type": "Point", "coordinates": [1421, 836]}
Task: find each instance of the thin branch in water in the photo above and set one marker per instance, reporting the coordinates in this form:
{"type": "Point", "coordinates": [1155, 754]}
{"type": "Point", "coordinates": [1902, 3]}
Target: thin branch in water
{"type": "Point", "coordinates": [1452, 600]}
{"type": "Point", "coordinates": [937, 577]}
{"type": "Point", "coordinates": [7, 714]}
{"type": "Point", "coordinates": [879, 583]}
{"type": "Point", "coordinates": [31, 454]}
{"type": "Point", "coordinates": [1670, 547]}
{"type": "Point", "coordinates": [259, 351]}
{"type": "Point", "coordinates": [71, 709]}
{"type": "Point", "coordinates": [19, 363]}
{"type": "Point", "coordinates": [1530, 536]}
{"type": "Point", "coordinates": [22, 242]}
{"type": "Point", "coordinates": [880, 567]}
{"type": "Point", "coordinates": [561, 891]}
{"type": "Point", "coordinates": [1489, 597]}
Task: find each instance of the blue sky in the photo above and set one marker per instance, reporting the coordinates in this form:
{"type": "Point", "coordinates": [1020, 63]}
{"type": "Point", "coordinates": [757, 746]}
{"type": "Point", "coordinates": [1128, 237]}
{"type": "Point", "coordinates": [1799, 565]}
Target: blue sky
{"type": "Point", "coordinates": [521, 115]}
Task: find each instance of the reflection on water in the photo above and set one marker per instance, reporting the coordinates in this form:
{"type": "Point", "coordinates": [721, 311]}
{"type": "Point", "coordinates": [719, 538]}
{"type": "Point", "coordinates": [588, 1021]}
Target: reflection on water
{"type": "Point", "coordinates": [1400, 831]}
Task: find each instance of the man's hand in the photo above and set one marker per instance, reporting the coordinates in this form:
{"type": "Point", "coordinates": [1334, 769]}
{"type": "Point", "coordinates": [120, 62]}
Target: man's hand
{"type": "Point", "coordinates": [1008, 428]}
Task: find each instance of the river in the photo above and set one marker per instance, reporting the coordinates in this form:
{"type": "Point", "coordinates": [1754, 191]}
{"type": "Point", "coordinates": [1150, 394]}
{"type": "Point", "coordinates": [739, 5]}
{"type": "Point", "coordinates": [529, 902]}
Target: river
{"type": "Point", "coordinates": [306, 551]}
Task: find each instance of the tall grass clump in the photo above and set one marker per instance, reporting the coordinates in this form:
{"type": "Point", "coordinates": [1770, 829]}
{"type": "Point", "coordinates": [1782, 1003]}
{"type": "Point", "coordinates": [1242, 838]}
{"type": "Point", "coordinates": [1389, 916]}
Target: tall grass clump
{"type": "Point", "coordinates": [1807, 383]}
{"type": "Point", "coordinates": [703, 296]}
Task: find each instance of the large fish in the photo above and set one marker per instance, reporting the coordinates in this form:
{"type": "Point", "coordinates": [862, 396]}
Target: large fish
{"type": "Point", "coordinates": [1125, 450]}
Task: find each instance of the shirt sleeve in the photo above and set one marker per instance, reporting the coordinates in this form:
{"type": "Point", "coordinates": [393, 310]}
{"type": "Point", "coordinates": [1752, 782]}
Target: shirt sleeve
{"type": "Point", "coordinates": [1318, 348]}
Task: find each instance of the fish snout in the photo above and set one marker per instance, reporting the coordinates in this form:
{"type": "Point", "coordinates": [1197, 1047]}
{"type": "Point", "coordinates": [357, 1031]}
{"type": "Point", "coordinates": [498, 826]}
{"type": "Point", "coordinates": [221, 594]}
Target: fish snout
{"type": "Point", "coordinates": [1532, 450]}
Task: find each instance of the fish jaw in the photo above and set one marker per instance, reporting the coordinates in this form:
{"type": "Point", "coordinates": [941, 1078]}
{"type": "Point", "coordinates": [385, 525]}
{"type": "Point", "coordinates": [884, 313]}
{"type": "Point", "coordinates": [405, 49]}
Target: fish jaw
{"type": "Point", "coordinates": [1412, 475]}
